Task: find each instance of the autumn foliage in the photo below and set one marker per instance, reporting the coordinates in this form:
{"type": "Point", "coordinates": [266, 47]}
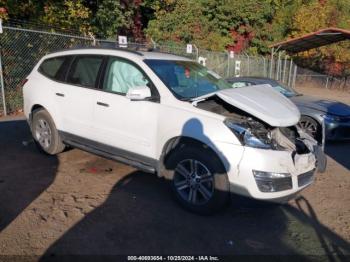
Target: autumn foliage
{"type": "Point", "coordinates": [239, 25]}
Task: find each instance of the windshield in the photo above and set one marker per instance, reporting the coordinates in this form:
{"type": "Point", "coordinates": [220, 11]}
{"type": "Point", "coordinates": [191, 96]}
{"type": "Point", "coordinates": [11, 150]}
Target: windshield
{"type": "Point", "coordinates": [187, 79]}
{"type": "Point", "coordinates": [284, 90]}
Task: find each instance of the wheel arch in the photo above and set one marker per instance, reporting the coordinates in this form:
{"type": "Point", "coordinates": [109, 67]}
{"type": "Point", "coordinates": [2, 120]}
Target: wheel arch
{"type": "Point", "coordinates": [318, 121]}
{"type": "Point", "coordinates": [179, 141]}
{"type": "Point", "coordinates": [34, 107]}
{"type": "Point", "coordinates": [39, 106]}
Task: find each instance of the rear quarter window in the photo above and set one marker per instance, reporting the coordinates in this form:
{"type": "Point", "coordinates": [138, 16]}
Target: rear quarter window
{"type": "Point", "coordinates": [51, 67]}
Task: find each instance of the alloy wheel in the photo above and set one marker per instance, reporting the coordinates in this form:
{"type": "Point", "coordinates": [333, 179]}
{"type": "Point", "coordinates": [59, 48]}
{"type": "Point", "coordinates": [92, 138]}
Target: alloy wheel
{"type": "Point", "coordinates": [309, 127]}
{"type": "Point", "coordinates": [43, 133]}
{"type": "Point", "coordinates": [194, 182]}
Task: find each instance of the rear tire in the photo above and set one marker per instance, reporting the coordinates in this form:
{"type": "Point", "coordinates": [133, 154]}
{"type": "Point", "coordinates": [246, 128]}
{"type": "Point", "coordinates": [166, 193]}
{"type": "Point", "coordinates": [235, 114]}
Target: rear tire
{"type": "Point", "coordinates": [45, 134]}
{"type": "Point", "coordinates": [198, 179]}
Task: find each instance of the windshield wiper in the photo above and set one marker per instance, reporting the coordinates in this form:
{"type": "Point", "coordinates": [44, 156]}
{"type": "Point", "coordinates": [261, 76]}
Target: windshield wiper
{"type": "Point", "coordinates": [185, 98]}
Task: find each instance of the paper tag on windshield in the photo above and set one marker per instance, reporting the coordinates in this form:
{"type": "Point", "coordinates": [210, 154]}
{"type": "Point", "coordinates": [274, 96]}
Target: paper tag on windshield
{"type": "Point", "coordinates": [214, 74]}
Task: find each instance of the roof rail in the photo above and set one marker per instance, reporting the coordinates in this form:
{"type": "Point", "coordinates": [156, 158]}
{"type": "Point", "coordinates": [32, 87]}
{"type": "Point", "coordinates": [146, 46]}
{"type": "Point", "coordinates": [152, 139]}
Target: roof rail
{"type": "Point", "coordinates": [100, 47]}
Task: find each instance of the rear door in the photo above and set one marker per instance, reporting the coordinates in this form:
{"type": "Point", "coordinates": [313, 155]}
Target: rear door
{"type": "Point", "coordinates": [75, 94]}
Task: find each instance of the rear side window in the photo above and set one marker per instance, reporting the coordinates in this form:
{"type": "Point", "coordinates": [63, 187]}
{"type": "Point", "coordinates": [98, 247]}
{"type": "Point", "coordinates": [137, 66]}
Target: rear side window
{"type": "Point", "coordinates": [51, 67]}
{"type": "Point", "coordinates": [84, 70]}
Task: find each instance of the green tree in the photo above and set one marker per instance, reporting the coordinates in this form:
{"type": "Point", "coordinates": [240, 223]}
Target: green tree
{"type": "Point", "coordinates": [238, 24]}
{"type": "Point", "coordinates": [333, 59]}
{"type": "Point", "coordinates": [22, 9]}
{"type": "Point", "coordinates": [112, 18]}
{"type": "Point", "coordinates": [183, 21]}
{"type": "Point", "coordinates": [68, 15]}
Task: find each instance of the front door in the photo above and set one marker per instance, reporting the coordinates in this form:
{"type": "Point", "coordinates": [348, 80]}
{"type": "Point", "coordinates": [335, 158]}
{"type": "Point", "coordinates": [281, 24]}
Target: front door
{"type": "Point", "coordinates": [119, 122]}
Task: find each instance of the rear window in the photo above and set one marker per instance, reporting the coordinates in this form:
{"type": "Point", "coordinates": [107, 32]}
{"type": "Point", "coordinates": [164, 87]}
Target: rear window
{"type": "Point", "coordinates": [84, 70]}
{"type": "Point", "coordinates": [51, 67]}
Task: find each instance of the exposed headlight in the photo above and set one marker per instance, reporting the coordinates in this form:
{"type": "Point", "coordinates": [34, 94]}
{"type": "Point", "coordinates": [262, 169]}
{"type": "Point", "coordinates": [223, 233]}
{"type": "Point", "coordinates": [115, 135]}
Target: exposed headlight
{"type": "Point", "coordinates": [245, 135]}
{"type": "Point", "coordinates": [272, 182]}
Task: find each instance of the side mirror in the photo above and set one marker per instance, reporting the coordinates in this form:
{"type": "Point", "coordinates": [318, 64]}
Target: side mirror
{"type": "Point", "coordinates": [138, 93]}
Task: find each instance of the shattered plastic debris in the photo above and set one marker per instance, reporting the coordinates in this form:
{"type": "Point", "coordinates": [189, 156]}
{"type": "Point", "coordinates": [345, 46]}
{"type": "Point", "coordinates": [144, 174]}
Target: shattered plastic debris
{"type": "Point", "coordinates": [26, 143]}
{"type": "Point", "coordinates": [254, 244]}
{"type": "Point", "coordinates": [282, 140]}
{"type": "Point", "coordinates": [229, 242]}
{"type": "Point", "coordinates": [95, 170]}
{"type": "Point", "coordinates": [92, 170]}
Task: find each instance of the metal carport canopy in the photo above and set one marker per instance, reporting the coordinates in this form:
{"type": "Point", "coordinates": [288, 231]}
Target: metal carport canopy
{"type": "Point", "coordinates": [313, 40]}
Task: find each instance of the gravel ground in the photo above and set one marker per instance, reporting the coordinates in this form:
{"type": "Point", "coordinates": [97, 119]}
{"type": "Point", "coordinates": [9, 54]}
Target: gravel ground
{"type": "Point", "coordinates": [333, 94]}
{"type": "Point", "coordinates": [78, 203]}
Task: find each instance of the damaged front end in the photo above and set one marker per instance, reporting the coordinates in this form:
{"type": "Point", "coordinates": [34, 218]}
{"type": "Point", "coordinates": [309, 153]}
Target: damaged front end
{"type": "Point", "coordinates": [304, 149]}
{"type": "Point", "coordinates": [255, 133]}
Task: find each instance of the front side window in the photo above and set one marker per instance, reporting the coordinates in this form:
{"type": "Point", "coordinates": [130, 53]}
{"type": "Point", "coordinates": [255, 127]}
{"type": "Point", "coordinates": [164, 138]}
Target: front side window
{"type": "Point", "coordinates": [187, 79]}
{"type": "Point", "coordinates": [84, 70]}
{"type": "Point", "coordinates": [121, 75]}
{"type": "Point", "coordinates": [51, 67]}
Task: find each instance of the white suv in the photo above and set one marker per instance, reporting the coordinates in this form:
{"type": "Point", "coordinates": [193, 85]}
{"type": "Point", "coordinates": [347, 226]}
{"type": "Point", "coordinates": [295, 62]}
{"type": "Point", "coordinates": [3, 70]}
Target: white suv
{"type": "Point", "coordinates": [169, 115]}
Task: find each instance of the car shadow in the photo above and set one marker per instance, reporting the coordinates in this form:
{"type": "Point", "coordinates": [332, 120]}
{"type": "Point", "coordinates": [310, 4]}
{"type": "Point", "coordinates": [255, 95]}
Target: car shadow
{"type": "Point", "coordinates": [140, 218]}
{"type": "Point", "coordinates": [24, 171]}
{"type": "Point", "coordinates": [339, 151]}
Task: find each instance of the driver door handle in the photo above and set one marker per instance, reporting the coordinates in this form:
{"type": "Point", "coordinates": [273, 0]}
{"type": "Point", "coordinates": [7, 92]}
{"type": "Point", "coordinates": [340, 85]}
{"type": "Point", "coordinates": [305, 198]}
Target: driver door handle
{"type": "Point", "coordinates": [103, 104]}
{"type": "Point", "coordinates": [60, 94]}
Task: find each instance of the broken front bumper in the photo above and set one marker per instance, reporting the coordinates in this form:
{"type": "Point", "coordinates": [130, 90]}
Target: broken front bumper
{"type": "Point", "coordinates": [292, 172]}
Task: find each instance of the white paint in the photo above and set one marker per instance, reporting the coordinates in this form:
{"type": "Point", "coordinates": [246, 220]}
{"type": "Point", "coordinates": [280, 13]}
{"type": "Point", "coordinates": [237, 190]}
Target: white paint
{"type": "Point", "coordinates": [237, 68]}
{"type": "Point", "coordinates": [202, 60]}
{"type": "Point", "coordinates": [263, 102]}
{"type": "Point", "coordinates": [189, 48]}
{"type": "Point", "coordinates": [122, 41]}
{"type": "Point", "coordinates": [138, 93]}
{"type": "Point", "coordinates": [144, 127]}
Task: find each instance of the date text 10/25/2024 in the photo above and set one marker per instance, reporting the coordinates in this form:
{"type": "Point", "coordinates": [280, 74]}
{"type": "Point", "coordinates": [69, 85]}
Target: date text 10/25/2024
{"type": "Point", "coordinates": [173, 258]}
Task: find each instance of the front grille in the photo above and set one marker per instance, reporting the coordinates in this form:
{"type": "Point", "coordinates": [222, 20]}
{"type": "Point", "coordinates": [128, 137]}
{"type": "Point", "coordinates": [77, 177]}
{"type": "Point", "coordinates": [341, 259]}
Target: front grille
{"type": "Point", "coordinates": [305, 178]}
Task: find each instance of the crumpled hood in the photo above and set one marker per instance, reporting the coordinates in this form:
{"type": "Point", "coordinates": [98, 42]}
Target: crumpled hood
{"type": "Point", "coordinates": [261, 101]}
{"type": "Point", "coordinates": [326, 106]}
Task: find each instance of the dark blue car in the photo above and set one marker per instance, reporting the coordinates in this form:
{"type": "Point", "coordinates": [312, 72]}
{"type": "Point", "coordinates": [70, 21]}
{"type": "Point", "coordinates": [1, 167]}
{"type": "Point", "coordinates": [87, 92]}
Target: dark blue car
{"type": "Point", "coordinates": [336, 115]}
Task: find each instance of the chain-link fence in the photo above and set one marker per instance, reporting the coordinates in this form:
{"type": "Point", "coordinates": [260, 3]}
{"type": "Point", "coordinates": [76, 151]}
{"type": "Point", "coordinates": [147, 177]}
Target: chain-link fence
{"type": "Point", "coordinates": [309, 78]}
{"type": "Point", "coordinates": [21, 49]}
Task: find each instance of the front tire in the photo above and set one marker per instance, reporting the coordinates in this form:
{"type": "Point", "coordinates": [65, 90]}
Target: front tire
{"type": "Point", "coordinates": [45, 134]}
{"type": "Point", "coordinates": [198, 179]}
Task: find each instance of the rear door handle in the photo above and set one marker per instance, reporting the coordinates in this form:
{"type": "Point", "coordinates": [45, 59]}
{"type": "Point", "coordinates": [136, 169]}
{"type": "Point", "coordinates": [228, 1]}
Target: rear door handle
{"type": "Point", "coordinates": [103, 104]}
{"type": "Point", "coordinates": [59, 94]}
